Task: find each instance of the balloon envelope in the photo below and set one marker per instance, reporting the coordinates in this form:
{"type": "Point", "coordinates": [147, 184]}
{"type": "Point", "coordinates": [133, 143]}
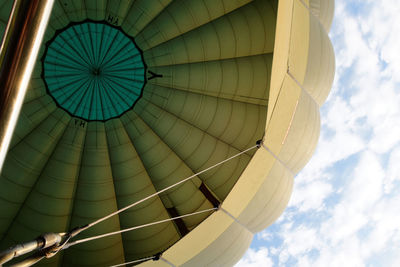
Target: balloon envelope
{"type": "Point", "coordinates": [129, 97]}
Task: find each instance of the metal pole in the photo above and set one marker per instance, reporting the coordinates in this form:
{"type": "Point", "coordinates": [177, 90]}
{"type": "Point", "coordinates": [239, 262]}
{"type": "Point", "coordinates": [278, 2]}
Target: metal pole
{"type": "Point", "coordinates": [46, 241]}
{"type": "Point", "coordinates": [18, 52]}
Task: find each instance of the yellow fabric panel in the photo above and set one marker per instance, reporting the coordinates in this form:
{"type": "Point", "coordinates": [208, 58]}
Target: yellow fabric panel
{"type": "Point", "coordinates": [225, 251]}
{"type": "Point", "coordinates": [299, 41]}
{"type": "Point", "coordinates": [262, 192]}
{"type": "Point", "coordinates": [281, 52]}
{"type": "Point", "coordinates": [267, 213]}
{"type": "Point", "coordinates": [151, 263]}
{"type": "Point", "coordinates": [201, 249]}
{"type": "Point", "coordinates": [305, 126]}
{"type": "Point", "coordinates": [279, 124]}
{"type": "Point", "coordinates": [259, 166]}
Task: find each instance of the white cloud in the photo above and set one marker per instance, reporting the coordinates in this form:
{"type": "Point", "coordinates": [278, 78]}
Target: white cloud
{"type": "Point", "coordinates": [259, 257]}
{"type": "Point", "coordinates": [310, 196]}
{"type": "Point", "coordinates": [393, 171]}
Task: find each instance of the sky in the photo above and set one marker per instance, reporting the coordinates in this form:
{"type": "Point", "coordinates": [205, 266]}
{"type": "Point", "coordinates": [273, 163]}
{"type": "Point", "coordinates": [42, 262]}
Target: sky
{"type": "Point", "coordinates": [345, 205]}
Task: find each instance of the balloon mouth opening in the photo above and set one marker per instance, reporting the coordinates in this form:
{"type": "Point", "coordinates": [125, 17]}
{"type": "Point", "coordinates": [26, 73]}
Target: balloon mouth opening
{"type": "Point", "coordinates": [93, 70]}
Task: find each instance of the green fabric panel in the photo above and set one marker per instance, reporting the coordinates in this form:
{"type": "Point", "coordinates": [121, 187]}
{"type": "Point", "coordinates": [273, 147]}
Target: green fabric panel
{"type": "Point", "coordinates": [58, 19]}
{"type": "Point", "coordinates": [25, 165]}
{"type": "Point", "coordinates": [182, 16]}
{"type": "Point", "coordinates": [164, 167]}
{"type": "Point", "coordinates": [185, 140]}
{"type": "Point", "coordinates": [5, 10]}
{"type": "Point", "coordinates": [241, 79]}
{"type": "Point", "coordinates": [33, 113]}
{"type": "Point", "coordinates": [142, 13]}
{"type": "Point", "coordinates": [219, 39]}
{"type": "Point", "coordinates": [74, 9]}
{"type": "Point", "coordinates": [199, 110]}
{"type": "Point", "coordinates": [38, 105]}
{"type": "Point", "coordinates": [96, 9]}
{"type": "Point", "coordinates": [132, 183]}
{"type": "Point", "coordinates": [117, 10]}
{"type": "Point", "coordinates": [51, 197]}
{"type": "Point", "coordinates": [95, 198]}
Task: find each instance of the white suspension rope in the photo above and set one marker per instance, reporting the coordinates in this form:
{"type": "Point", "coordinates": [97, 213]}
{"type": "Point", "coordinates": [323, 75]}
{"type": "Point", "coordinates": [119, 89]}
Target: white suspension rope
{"type": "Point", "coordinates": [76, 231]}
{"type": "Point", "coordinates": [134, 228]}
{"type": "Point", "coordinates": [135, 261]}
{"type": "Point", "coordinates": [166, 188]}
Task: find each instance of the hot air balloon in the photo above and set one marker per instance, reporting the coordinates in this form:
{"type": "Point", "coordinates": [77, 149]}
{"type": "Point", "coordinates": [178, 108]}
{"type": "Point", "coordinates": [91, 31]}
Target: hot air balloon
{"type": "Point", "coordinates": [128, 98]}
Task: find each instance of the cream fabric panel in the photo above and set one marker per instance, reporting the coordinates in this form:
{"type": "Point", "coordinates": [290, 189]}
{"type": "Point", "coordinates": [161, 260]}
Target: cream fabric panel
{"type": "Point", "coordinates": [281, 53]}
{"type": "Point", "coordinates": [215, 248]}
{"type": "Point", "coordinates": [311, 56]}
{"type": "Point", "coordinates": [218, 241]}
{"type": "Point", "coordinates": [321, 63]}
{"type": "Point", "coordinates": [158, 263]}
{"type": "Point", "coordinates": [323, 10]}
{"type": "Point", "coordinates": [262, 192]}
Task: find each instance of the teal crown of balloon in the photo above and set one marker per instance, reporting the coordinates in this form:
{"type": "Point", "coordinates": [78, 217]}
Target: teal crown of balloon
{"type": "Point", "coordinates": [93, 70]}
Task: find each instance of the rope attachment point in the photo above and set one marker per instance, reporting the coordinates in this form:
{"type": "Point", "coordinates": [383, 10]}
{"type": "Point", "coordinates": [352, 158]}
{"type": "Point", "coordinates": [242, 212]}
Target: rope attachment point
{"type": "Point", "coordinates": [259, 143]}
